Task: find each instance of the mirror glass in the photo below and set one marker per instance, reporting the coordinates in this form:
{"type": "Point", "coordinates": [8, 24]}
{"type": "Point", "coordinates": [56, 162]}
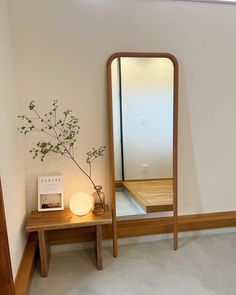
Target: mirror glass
{"type": "Point", "coordinates": [143, 102]}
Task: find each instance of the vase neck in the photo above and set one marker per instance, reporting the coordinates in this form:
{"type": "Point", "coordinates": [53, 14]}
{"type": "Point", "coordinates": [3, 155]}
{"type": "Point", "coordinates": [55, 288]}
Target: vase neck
{"type": "Point", "coordinates": [98, 188]}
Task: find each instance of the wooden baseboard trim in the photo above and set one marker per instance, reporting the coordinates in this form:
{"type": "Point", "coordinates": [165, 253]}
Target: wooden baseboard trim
{"type": "Point", "coordinates": [6, 276]}
{"type": "Point", "coordinates": [125, 229]}
{"type": "Point", "coordinates": [27, 265]}
{"type": "Point", "coordinates": [164, 225]}
{"type": "Point", "coordinates": [150, 226]}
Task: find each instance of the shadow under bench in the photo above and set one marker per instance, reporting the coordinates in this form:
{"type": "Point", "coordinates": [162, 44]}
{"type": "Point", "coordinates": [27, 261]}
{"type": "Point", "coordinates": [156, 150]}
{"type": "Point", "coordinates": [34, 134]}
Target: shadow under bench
{"type": "Point", "coordinates": [43, 222]}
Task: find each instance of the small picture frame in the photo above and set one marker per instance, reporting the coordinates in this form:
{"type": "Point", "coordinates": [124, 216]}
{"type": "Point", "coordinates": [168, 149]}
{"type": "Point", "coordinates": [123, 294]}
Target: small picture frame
{"type": "Point", "coordinates": [50, 193]}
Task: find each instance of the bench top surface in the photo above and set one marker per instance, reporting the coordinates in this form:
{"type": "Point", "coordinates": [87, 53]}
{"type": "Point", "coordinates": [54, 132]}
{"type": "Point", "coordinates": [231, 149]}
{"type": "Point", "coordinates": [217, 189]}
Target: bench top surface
{"type": "Point", "coordinates": [64, 219]}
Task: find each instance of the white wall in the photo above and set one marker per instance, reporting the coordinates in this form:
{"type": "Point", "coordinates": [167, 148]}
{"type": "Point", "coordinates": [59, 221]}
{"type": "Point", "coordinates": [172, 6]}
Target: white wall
{"type": "Point", "coordinates": [12, 169]}
{"type": "Point", "coordinates": [61, 48]}
{"type": "Point", "coordinates": [147, 108]}
{"type": "Point", "coordinates": [147, 117]}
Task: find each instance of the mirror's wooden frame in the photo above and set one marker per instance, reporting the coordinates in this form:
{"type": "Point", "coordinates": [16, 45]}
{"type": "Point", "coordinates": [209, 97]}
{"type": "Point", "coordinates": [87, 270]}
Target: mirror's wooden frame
{"type": "Point", "coordinates": [175, 140]}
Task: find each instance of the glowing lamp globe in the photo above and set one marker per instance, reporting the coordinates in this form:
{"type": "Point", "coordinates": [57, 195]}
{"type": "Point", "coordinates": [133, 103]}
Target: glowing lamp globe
{"type": "Point", "coordinates": [81, 203]}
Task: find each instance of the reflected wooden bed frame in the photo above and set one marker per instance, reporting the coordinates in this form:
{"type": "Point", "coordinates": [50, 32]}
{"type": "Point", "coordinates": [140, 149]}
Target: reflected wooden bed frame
{"type": "Point", "coordinates": [175, 140]}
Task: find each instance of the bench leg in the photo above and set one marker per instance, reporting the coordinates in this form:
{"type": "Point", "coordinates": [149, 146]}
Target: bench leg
{"type": "Point", "coordinates": [44, 252]}
{"type": "Point", "coordinates": [99, 247]}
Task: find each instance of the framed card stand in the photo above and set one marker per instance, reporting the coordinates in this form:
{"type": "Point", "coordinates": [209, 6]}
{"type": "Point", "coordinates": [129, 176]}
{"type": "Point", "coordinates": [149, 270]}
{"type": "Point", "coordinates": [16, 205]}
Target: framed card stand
{"type": "Point", "coordinates": [50, 193]}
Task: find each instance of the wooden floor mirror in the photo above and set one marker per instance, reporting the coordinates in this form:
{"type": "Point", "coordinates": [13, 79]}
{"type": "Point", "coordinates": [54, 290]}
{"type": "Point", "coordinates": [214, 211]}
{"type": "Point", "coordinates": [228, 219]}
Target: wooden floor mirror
{"type": "Point", "coordinates": [143, 132]}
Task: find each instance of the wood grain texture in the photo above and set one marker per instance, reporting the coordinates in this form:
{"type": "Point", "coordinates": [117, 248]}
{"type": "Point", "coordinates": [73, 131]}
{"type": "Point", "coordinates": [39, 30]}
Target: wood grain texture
{"type": "Point", "coordinates": [6, 278]}
{"type": "Point", "coordinates": [175, 136]}
{"type": "Point", "coordinates": [111, 157]}
{"type": "Point", "coordinates": [45, 222]}
{"type": "Point", "coordinates": [64, 219]}
{"type": "Point", "coordinates": [44, 252]}
{"type": "Point", "coordinates": [99, 247]}
{"type": "Point", "coordinates": [27, 265]}
{"type": "Point", "coordinates": [142, 227]}
{"type": "Point", "coordinates": [175, 152]}
{"type": "Point", "coordinates": [152, 195]}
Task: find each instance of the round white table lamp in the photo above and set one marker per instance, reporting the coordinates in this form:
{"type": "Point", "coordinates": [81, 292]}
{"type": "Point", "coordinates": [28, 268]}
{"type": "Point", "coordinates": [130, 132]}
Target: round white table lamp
{"type": "Point", "coordinates": [81, 203]}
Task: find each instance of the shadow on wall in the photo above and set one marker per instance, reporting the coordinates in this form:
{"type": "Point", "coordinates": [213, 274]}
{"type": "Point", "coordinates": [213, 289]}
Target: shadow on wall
{"type": "Point", "coordinates": [74, 180]}
{"type": "Point", "coordinates": [189, 191]}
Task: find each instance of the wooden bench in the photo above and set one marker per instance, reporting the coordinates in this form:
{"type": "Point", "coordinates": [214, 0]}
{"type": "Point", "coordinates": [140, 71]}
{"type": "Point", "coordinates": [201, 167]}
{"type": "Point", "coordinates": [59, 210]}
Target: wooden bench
{"type": "Point", "coordinates": [42, 222]}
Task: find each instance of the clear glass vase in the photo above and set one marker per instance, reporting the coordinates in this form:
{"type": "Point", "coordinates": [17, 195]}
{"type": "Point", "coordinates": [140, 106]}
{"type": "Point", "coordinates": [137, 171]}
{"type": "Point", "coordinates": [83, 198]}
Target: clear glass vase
{"type": "Point", "coordinates": [99, 201]}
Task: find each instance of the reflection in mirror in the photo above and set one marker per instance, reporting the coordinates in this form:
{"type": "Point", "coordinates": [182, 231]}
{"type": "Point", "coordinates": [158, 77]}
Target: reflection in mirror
{"type": "Point", "coordinates": [142, 101]}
